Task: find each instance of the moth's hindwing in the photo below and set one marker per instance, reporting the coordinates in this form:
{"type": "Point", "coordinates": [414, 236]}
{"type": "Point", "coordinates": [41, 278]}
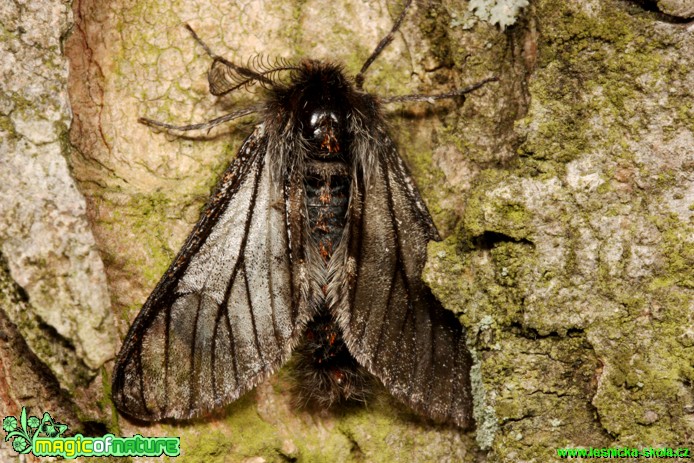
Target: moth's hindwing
{"type": "Point", "coordinates": [221, 319]}
{"type": "Point", "coordinates": [392, 323]}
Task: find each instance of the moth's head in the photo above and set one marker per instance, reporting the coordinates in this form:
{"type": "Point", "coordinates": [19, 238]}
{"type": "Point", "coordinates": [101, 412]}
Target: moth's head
{"type": "Point", "coordinates": [320, 99]}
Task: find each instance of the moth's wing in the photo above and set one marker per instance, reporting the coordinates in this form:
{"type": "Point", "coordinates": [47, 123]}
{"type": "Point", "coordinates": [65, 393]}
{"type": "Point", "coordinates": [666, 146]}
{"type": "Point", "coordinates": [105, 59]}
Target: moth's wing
{"type": "Point", "coordinates": [222, 318]}
{"type": "Point", "coordinates": [392, 323]}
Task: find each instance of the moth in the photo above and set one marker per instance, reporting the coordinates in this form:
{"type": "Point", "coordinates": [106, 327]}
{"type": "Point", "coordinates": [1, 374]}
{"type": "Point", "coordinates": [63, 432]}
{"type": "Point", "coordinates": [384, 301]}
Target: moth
{"type": "Point", "coordinates": [313, 242]}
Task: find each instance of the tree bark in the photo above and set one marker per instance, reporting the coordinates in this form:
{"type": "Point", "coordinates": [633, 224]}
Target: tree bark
{"type": "Point", "coordinates": [564, 193]}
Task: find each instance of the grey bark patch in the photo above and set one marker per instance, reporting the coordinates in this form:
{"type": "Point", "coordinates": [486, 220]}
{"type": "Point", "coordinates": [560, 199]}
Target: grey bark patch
{"type": "Point", "coordinates": [45, 238]}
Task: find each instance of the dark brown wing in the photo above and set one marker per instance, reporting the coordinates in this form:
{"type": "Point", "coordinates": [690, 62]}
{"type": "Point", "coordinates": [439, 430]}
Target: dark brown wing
{"type": "Point", "coordinates": [221, 319]}
{"type": "Point", "coordinates": [392, 324]}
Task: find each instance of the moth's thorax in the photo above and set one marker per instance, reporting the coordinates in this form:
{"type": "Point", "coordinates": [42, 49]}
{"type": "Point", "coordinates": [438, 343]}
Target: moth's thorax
{"type": "Point", "coordinates": [323, 128]}
{"type": "Point", "coordinates": [320, 102]}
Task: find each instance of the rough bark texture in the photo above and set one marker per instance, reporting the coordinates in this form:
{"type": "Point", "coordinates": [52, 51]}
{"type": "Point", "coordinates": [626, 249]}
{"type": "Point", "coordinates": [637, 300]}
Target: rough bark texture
{"type": "Point", "coordinates": [565, 193]}
{"type": "Point", "coordinates": [56, 323]}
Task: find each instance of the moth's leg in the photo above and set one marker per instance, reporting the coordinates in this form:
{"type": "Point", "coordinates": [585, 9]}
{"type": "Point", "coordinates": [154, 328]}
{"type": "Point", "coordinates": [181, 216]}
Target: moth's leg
{"type": "Point", "coordinates": [359, 79]}
{"type": "Point", "coordinates": [201, 126]}
{"type": "Point", "coordinates": [439, 96]}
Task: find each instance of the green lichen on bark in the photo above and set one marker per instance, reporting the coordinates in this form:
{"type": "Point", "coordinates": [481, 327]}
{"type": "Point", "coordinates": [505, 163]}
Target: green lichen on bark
{"type": "Point", "coordinates": [354, 434]}
{"type": "Point", "coordinates": [588, 241]}
{"type": "Point", "coordinates": [243, 435]}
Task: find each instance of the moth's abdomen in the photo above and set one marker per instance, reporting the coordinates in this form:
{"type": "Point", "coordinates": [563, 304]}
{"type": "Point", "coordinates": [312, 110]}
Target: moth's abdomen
{"type": "Point", "coordinates": [325, 371]}
{"type": "Point", "coordinates": [327, 198]}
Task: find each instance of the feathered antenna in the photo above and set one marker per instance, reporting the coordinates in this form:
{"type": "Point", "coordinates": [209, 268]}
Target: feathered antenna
{"type": "Point", "coordinates": [225, 76]}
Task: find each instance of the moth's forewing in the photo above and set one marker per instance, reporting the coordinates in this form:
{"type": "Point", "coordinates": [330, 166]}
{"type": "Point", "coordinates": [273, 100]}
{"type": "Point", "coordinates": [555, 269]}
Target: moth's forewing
{"type": "Point", "coordinates": [221, 318]}
{"type": "Point", "coordinates": [392, 323]}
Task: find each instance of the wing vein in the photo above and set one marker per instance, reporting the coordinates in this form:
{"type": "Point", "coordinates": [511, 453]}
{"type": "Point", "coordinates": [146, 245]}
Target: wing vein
{"type": "Point", "coordinates": [232, 346]}
{"type": "Point", "coordinates": [232, 278]}
{"type": "Point", "coordinates": [213, 361]}
{"type": "Point", "coordinates": [241, 261]}
{"type": "Point", "coordinates": [250, 309]}
{"type": "Point", "coordinates": [379, 343]}
{"type": "Point", "coordinates": [167, 320]}
{"type": "Point", "coordinates": [271, 288]}
{"type": "Point", "coordinates": [400, 268]}
{"type": "Point", "coordinates": [358, 258]}
{"type": "Point", "coordinates": [193, 377]}
{"type": "Point", "coordinates": [141, 375]}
